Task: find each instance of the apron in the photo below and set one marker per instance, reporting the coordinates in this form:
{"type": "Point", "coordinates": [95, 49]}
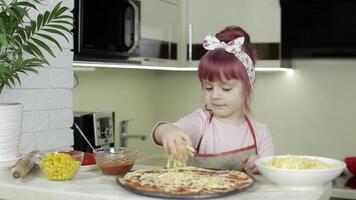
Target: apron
{"type": "Point", "coordinates": [225, 160]}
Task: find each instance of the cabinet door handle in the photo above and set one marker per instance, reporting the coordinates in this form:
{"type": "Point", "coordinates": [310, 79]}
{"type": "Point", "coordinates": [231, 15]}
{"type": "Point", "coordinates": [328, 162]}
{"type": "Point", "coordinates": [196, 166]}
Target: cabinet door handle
{"type": "Point", "coordinates": [190, 42]}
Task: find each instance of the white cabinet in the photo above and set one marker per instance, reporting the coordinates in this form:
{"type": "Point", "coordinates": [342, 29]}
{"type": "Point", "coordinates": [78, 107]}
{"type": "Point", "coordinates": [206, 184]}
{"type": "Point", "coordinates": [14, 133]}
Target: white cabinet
{"type": "Point", "coordinates": [167, 21]}
{"type": "Point", "coordinates": [260, 18]}
{"type": "Point", "coordinates": [160, 31]}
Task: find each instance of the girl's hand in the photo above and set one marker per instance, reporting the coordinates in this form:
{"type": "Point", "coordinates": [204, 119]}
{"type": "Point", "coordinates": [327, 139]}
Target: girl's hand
{"type": "Point", "coordinates": [248, 164]}
{"type": "Point", "coordinates": [175, 143]}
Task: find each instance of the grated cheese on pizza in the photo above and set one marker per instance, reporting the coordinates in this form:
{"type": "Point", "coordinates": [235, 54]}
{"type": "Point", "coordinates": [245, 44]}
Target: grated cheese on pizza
{"type": "Point", "coordinates": [186, 180]}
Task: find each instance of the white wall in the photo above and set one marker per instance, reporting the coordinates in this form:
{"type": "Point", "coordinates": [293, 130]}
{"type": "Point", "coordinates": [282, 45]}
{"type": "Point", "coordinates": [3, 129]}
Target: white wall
{"type": "Point", "coordinates": [47, 99]}
{"type": "Point", "coordinates": [312, 111]}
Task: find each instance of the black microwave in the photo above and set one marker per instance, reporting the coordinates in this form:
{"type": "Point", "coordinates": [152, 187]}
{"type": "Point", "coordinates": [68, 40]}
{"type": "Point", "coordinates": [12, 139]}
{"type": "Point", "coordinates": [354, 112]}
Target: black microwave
{"type": "Point", "coordinates": [106, 29]}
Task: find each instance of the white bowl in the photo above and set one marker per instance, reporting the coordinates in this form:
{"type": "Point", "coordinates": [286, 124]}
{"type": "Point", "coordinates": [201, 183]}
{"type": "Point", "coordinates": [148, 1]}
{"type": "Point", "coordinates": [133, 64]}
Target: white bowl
{"type": "Point", "coordinates": [300, 177]}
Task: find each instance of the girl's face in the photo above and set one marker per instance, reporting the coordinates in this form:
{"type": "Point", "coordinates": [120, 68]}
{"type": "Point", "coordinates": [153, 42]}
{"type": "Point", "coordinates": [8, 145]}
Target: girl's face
{"type": "Point", "coordinates": [225, 99]}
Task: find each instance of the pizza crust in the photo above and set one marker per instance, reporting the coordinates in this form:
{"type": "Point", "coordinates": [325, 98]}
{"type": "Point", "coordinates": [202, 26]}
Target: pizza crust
{"type": "Point", "coordinates": [186, 180]}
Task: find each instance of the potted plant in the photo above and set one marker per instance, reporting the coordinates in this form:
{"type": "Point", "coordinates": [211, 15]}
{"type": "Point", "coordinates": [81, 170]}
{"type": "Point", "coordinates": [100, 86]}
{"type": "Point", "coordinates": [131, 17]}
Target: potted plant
{"type": "Point", "coordinates": [23, 44]}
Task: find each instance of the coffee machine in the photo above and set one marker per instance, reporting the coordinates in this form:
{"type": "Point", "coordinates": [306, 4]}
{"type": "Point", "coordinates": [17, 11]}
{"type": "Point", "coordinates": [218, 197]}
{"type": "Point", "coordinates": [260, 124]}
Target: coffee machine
{"type": "Point", "coordinates": [98, 127]}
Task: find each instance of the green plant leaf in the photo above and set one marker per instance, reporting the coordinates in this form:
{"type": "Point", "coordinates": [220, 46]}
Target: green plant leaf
{"type": "Point", "coordinates": [44, 46]}
{"type": "Point", "coordinates": [50, 39]}
{"type": "Point", "coordinates": [60, 11]}
{"type": "Point", "coordinates": [31, 69]}
{"type": "Point", "coordinates": [33, 27]}
{"type": "Point", "coordinates": [17, 37]}
{"type": "Point", "coordinates": [2, 24]}
{"type": "Point", "coordinates": [28, 50]}
{"type": "Point", "coordinates": [18, 40]}
{"type": "Point", "coordinates": [36, 50]}
{"type": "Point", "coordinates": [22, 34]}
{"type": "Point", "coordinates": [59, 27]}
{"type": "Point", "coordinates": [17, 78]}
{"type": "Point", "coordinates": [39, 21]}
{"type": "Point", "coordinates": [55, 32]}
{"type": "Point", "coordinates": [11, 79]}
{"type": "Point", "coordinates": [3, 40]}
{"type": "Point", "coordinates": [54, 10]}
{"type": "Point", "coordinates": [15, 12]}
{"type": "Point", "coordinates": [62, 22]}
{"type": "Point", "coordinates": [65, 17]}
{"type": "Point", "coordinates": [45, 17]}
{"type": "Point", "coordinates": [28, 31]}
{"type": "Point", "coordinates": [26, 4]}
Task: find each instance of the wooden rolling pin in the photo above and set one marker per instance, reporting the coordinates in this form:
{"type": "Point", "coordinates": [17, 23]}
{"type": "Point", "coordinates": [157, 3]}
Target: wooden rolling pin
{"type": "Point", "coordinates": [24, 165]}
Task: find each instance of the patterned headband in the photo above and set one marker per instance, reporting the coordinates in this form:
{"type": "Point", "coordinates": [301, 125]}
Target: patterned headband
{"type": "Point", "coordinates": [234, 47]}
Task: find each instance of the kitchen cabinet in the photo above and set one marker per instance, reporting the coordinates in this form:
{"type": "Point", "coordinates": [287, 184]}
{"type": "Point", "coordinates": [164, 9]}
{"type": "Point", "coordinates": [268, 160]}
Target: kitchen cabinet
{"type": "Point", "coordinates": [260, 18]}
{"type": "Point", "coordinates": [172, 31]}
{"type": "Point", "coordinates": [186, 23]}
{"type": "Point", "coordinates": [160, 31]}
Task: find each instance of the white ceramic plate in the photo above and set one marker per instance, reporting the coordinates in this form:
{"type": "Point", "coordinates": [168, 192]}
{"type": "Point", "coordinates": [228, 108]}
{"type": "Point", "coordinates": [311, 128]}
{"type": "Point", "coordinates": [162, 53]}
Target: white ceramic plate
{"type": "Point", "coordinates": [9, 163]}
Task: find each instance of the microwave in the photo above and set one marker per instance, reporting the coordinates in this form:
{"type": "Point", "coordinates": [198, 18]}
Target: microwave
{"type": "Point", "coordinates": [106, 29]}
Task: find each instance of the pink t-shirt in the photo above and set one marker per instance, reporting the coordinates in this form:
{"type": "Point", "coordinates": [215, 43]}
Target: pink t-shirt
{"type": "Point", "coordinates": [220, 137]}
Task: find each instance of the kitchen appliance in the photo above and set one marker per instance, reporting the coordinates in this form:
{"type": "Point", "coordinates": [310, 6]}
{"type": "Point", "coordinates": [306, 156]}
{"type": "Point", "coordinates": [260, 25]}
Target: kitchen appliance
{"type": "Point", "coordinates": [107, 29]}
{"type": "Point", "coordinates": [98, 127]}
{"type": "Point", "coordinates": [318, 29]}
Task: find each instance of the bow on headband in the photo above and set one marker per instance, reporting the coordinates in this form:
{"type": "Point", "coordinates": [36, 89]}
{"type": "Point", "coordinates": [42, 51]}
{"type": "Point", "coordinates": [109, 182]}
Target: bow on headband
{"type": "Point", "coordinates": [234, 47]}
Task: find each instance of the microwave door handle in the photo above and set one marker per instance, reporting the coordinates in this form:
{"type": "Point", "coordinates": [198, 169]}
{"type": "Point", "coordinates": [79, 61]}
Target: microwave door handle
{"type": "Point", "coordinates": [79, 24]}
{"type": "Point", "coordinates": [136, 27]}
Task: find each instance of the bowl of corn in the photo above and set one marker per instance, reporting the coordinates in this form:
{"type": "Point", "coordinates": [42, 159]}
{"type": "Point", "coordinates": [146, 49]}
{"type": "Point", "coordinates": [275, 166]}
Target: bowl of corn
{"type": "Point", "coordinates": [61, 164]}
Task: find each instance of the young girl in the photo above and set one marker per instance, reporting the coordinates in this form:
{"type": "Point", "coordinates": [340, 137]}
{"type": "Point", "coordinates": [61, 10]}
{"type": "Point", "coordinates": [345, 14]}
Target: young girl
{"type": "Point", "coordinates": [221, 132]}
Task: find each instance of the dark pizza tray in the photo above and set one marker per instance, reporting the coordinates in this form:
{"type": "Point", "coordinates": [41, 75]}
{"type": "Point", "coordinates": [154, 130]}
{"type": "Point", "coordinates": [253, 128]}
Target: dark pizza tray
{"type": "Point", "coordinates": [183, 196]}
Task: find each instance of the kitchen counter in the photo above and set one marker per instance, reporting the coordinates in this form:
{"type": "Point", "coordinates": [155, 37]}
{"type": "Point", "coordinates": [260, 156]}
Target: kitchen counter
{"type": "Point", "coordinates": [344, 186]}
{"type": "Point", "coordinates": [92, 185]}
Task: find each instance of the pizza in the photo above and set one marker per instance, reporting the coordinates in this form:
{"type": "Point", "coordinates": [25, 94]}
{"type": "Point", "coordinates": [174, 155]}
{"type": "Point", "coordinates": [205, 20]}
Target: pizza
{"type": "Point", "coordinates": [186, 181]}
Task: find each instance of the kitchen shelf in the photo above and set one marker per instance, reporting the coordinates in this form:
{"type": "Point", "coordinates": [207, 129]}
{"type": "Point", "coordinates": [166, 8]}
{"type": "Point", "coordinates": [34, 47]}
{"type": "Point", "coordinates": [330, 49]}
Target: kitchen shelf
{"type": "Point", "coordinates": [81, 65]}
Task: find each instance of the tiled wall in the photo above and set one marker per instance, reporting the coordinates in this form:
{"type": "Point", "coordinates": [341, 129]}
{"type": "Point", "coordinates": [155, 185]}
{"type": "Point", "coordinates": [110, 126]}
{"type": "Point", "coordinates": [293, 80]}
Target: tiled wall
{"type": "Point", "coordinates": [47, 98]}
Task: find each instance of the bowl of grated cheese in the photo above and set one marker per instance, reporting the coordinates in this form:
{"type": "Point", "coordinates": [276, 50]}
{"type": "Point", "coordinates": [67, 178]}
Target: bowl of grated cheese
{"type": "Point", "coordinates": [299, 170]}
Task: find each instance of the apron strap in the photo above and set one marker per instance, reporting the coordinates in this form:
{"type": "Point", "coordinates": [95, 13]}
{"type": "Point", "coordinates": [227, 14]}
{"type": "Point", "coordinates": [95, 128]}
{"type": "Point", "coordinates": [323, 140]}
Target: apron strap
{"type": "Point", "coordinates": [252, 131]}
{"type": "Point", "coordinates": [201, 138]}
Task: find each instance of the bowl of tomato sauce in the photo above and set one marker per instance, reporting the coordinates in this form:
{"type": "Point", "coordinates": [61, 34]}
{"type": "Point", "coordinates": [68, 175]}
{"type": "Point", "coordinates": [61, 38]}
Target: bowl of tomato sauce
{"type": "Point", "coordinates": [115, 161]}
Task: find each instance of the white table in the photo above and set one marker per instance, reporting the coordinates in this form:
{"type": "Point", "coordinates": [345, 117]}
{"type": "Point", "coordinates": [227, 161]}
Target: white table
{"type": "Point", "coordinates": [93, 185]}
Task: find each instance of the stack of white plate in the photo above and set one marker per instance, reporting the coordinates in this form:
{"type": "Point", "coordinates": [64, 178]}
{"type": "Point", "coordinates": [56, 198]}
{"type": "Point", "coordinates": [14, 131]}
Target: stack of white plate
{"type": "Point", "coordinates": [10, 133]}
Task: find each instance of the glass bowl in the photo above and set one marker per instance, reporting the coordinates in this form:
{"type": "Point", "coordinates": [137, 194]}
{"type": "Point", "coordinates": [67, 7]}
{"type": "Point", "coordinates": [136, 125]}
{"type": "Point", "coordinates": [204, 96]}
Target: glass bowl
{"type": "Point", "coordinates": [115, 161]}
{"type": "Point", "coordinates": [60, 164]}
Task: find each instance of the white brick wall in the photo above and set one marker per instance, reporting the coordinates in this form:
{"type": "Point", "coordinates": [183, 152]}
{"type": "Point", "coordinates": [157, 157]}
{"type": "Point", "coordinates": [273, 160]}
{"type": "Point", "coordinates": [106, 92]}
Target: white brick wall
{"type": "Point", "coordinates": [47, 98]}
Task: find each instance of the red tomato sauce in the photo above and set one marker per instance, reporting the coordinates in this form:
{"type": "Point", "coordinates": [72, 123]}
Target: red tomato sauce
{"type": "Point", "coordinates": [112, 169]}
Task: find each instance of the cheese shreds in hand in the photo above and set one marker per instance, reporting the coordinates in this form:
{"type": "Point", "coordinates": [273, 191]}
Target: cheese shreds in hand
{"type": "Point", "coordinates": [181, 161]}
{"type": "Point", "coordinates": [295, 162]}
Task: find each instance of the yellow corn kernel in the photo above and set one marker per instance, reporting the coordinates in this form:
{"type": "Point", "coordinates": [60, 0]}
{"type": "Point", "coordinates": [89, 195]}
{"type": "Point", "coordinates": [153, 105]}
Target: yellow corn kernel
{"type": "Point", "coordinates": [59, 166]}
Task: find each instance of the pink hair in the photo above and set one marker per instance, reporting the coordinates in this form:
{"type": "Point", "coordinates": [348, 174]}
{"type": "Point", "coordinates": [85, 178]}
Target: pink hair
{"type": "Point", "coordinates": [217, 64]}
